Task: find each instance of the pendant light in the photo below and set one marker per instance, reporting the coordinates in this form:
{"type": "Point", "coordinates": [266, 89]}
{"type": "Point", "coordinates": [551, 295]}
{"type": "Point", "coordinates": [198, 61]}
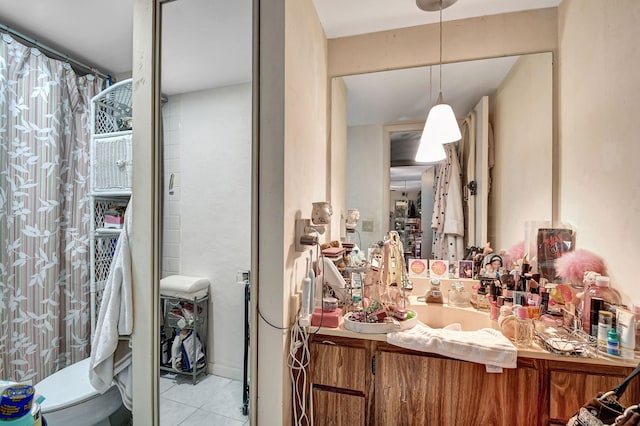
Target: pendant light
{"type": "Point", "coordinates": [441, 125]}
{"type": "Point", "coordinates": [429, 150]}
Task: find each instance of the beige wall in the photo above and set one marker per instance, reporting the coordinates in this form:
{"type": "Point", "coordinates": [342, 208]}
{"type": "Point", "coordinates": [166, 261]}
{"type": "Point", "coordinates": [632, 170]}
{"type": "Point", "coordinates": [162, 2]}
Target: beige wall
{"type": "Point", "coordinates": [475, 38]}
{"type": "Point", "coordinates": [521, 180]}
{"type": "Point", "coordinates": [293, 156]}
{"type": "Point", "coordinates": [599, 97]}
{"type": "Point", "coordinates": [338, 158]}
{"type": "Point", "coordinates": [368, 180]}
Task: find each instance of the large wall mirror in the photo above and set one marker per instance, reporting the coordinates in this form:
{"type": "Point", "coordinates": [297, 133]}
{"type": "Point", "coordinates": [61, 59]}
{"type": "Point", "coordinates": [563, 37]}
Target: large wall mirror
{"type": "Point", "coordinates": [505, 108]}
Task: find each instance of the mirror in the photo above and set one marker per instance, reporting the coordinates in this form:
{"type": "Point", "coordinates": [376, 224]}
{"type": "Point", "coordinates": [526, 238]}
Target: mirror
{"type": "Point", "coordinates": [206, 74]}
{"type": "Point", "coordinates": [510, 161]}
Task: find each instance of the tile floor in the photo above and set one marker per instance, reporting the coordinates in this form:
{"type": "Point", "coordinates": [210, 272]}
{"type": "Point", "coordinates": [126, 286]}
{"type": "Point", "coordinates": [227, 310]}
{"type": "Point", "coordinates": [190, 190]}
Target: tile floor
{"type": "Point", "coordinates": [213, 400]}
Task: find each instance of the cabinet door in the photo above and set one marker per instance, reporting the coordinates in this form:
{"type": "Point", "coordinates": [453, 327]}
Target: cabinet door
{"type": "Point", "coordinates": [569, 390]}
{"type": "Point", "coordinates": [337, 365]}
{"type": "Point", "coordinates": [507, 398]}
{"type": "Point", "coordinates": [412, 389]}
{"type": "Point", "coordinates": [337, 409]}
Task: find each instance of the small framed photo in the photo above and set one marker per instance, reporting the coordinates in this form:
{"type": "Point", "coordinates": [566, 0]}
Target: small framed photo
{"type": "Point", "coordinates": [465, 269]}
{"type": "Point", "coordinates": [439, 268]}
{"type": "Point", "coordinates": [418, 268]}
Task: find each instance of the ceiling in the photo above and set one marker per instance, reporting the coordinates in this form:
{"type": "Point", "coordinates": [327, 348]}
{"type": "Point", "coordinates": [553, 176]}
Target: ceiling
{"type": "Point", "coordinates": [207, 43]}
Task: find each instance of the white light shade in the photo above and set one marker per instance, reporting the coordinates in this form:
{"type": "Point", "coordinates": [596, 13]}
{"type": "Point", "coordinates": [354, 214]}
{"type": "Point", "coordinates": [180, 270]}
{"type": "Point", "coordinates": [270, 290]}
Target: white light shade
{"type": "Point", "coordinates": [429, 150]}
{"type": "Point", "coordinates": [441, 123]}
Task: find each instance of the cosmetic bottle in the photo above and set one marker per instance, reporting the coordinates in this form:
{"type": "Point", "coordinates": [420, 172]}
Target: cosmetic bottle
{"type": "Point", "coordinates": [597, 304]}
{"type": "Point", "coordinates": [605, 321]}
{"type": "Point", "coordinates": [482, 301]}
{"type": "Point", "coordinates": [458, 296]}
{"type": "Point", "coordinates": [636, 312]}
{"type": "Point", "coordinates": [613, 343]}
{"type": "Point", "coordinates": [524, 329]}
{"type": "Point", "coordinates": [601, 290]}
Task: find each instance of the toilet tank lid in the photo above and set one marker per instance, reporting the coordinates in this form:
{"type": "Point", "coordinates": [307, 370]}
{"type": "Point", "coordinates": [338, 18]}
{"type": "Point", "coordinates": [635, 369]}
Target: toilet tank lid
{"type": "Point", "coordinates": [66, 387]}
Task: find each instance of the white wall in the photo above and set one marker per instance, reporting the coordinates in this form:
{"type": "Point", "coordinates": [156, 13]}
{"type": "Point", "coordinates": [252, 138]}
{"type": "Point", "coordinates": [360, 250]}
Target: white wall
{"type": "Point", "coordinates": [599, 97]}
{"type": "Point", "coordinates": [207, 222]}
{"type": "Point", "coordinates": [171, 229]}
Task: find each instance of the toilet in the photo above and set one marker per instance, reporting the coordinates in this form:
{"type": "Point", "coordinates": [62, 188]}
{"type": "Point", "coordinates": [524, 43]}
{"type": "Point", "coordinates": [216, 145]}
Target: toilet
{"type": "Point", "coordinates": [72, 401]}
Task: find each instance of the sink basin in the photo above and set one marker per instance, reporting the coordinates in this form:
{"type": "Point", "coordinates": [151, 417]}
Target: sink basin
{"type": "Point", "coordinates": [437, 316]}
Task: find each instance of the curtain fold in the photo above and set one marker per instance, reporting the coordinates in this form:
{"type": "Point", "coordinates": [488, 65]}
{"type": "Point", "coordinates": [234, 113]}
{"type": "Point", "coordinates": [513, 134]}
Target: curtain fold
{"type": "Point", "coordinates": [44, 212]}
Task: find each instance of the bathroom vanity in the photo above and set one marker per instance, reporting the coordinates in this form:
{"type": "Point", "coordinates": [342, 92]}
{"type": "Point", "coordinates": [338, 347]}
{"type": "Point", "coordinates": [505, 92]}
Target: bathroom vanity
{"type": "Point", "coordinates": [359, 379]}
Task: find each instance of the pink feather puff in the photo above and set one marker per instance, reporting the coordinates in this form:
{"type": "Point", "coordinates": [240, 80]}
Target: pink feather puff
{"type": "Point", "coordinates": [572, 265]}
{"type": "Point", "coordinates": [517, 250]}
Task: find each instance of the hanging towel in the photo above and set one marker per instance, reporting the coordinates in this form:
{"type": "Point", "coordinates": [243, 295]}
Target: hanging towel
{"type": "Point", "coordinates": [484, 346]}
{"type": "Point", "coordinates": [110, 355]}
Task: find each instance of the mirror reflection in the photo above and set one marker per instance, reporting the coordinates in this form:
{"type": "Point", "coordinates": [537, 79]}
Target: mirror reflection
{"type": "Point", "coordinates": [206, 82]}
{"type": "Point", "coordinates": [504, 160]}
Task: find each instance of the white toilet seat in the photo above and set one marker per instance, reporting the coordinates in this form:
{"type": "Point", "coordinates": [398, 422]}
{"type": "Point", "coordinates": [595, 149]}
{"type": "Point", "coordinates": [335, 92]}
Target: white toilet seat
{"type": "Point", "coordinates": [57, 390]}
{"type": "Point", "coordinates": [72, 401]}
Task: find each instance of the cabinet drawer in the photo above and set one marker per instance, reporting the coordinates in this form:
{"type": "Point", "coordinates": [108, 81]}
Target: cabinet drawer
{"type": "Point", "coordinates": [339, 409]}
{"type": "Point", "coordinates": [339, 366]}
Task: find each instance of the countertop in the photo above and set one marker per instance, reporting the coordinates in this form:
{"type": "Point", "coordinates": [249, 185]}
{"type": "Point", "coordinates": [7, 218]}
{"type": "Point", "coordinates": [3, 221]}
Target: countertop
{"type": "Point", "coordinates": [535, 352]}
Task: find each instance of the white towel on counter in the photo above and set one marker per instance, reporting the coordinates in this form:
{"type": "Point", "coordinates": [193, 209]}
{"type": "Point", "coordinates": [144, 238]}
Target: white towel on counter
{"type": "Point", "coordinates": [484, 346]}
{"type": "Point", "coordinates": [111, 356]}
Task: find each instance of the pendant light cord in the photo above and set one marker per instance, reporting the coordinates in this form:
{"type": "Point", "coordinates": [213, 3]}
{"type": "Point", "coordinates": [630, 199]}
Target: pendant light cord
{"type": "Point", "coordinates": [430, 84]}
{"type": "Point", "coordinates": [440, 46]}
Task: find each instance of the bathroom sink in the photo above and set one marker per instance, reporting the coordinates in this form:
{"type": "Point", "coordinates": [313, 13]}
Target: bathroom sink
{"type": "Point", "coordinates": [437, 316]}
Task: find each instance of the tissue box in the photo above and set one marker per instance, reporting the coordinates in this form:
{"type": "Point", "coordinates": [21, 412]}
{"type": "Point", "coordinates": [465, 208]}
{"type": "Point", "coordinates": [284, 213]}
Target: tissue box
{"type": "Point", "coordinates": [326, 319]}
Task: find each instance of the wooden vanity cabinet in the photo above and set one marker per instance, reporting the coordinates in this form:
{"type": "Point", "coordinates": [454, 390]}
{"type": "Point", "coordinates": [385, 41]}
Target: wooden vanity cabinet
{"type": "Point", "coordinates": [414, 388]}
{"type": "Point", "coordinates": [362, 382]}
{"type": "Point", "coordinates": [340, 377]}
{"type": "Point", "coordinates": [507, 398]}
{"type": "Point", "coordinates": [573, 384]}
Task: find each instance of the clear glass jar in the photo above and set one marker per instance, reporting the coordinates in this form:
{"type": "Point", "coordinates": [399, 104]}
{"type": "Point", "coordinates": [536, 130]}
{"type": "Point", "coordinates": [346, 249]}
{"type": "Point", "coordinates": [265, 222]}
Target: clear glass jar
{"type": "Point", "coordinates": [524, 329]}
{"type": "Point", "coordinates": [458, 296]}
{"type": "Point", "coordinates": [599, 290]}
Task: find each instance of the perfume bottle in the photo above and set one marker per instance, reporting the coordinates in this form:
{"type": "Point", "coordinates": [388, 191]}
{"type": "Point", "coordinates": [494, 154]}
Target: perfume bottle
{"type": "Point", "coordinates": [482, 301]}
{"type": "Point", "coordinates": [524, 329]}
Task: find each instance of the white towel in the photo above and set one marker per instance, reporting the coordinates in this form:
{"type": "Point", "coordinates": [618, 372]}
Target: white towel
{"type": "Point", "coordinates": [484, 346]}
{"type": "Point", "coordinates": [115, 319]}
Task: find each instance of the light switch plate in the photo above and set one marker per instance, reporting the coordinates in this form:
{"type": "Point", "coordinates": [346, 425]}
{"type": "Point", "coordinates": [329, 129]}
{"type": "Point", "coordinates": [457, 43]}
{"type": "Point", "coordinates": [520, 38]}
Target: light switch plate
{"type": "Point", "coordinates": [367, 226]}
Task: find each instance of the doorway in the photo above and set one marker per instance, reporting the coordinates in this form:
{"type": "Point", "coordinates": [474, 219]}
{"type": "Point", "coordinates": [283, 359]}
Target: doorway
{"type": "Point", "coordinates": [206, 198]}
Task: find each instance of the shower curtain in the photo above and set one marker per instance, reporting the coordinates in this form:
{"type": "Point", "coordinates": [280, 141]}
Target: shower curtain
{"type": "Point", "coordinates": [44, 212]}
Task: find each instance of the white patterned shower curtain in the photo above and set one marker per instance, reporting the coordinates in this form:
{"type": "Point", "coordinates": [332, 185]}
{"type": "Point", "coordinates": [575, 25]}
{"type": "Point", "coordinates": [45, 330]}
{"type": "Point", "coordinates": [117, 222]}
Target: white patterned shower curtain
{"type": "Point", "coordinates": [44, 212]}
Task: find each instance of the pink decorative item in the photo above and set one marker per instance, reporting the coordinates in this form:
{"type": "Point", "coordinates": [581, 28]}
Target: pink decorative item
{"type": "Point", "coordinates": [326, 319]}
{"type": "Point", "coordinates": [517, 251]}
{"type": "Point", "coordinates": [111, 221]}
{"type": "Point", "coordinates": [572, 265]}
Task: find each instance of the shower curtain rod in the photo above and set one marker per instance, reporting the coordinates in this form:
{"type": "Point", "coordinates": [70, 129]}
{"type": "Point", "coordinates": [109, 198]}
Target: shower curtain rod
{"type": "Point", "coordinates": [47, 49]}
